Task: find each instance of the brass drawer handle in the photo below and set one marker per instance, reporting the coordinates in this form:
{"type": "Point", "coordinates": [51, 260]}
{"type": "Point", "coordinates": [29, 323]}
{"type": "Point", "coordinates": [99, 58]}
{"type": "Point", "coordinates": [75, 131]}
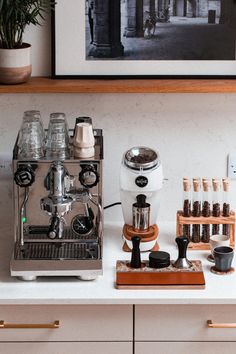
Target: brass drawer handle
{"type": "Point", "coordinates": [55, 324]}
{"type": "Point", "coordinates": [210, 324]}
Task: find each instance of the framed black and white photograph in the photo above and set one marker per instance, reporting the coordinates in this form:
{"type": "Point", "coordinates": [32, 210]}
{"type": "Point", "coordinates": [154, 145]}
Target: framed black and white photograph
{"type": "Point", "coordinates": [144, 38]}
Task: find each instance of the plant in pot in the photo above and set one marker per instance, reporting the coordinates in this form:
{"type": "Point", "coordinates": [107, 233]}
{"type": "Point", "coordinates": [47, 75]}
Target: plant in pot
{"type": "Point", "coordinates": [15, 15]}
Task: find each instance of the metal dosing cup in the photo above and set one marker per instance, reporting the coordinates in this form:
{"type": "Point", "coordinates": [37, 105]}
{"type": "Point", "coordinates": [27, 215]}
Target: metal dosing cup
{"type": "Point", "coordinates": [141, 214]}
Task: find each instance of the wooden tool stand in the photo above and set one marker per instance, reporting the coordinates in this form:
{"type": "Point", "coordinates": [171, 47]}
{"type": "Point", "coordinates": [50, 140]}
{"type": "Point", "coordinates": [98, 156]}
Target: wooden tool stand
{"type": "Point", "coordinates": [164, 278]}
{"type": "Point", "coordinates": [221, 220]}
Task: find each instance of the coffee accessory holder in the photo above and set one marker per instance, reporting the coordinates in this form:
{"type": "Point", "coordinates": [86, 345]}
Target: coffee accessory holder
{"type": "Point", "coordinates": [211, 220]}
{"type": "Point", "coordinates": [159, 272]}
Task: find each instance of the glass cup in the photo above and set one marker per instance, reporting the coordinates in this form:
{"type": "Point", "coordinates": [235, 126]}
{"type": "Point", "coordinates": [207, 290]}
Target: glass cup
{"type": "Point", "coordinates": [57, 140]}
{"type": "Point", "coordinates": [36, 116]}
{"type": "Point", "coordinates": [31, 137]}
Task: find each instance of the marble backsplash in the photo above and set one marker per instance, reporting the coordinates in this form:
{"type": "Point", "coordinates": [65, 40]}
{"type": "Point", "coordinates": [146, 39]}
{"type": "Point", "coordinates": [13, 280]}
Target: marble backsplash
{"type": "Point", "coordinates": [193, 133]}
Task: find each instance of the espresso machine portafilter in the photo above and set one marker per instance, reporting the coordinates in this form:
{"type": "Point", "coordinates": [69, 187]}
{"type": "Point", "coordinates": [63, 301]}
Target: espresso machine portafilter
{"type": "Point", "coordinates": [141, 180]}
{"type": "Point", "coordinates": [58, 205]}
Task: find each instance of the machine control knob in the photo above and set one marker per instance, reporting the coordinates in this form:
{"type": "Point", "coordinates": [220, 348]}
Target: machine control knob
{"type": "Point", "coordinates": [24, 176]}
{"type": "Point", "coordinates": [88, 176]}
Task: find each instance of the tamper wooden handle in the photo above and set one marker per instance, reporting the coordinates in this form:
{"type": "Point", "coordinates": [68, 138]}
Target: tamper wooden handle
{"type": "Point", "coordinates": [182, 243]}
{"type": "Point", "coordinates": [135, 257]}
{"type": "Point", "coordinates": [182, 262]}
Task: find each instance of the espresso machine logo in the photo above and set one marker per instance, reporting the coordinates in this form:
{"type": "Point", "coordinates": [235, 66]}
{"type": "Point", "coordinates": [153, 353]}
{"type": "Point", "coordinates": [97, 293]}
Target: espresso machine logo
{"type": "Point", "coordinates": [24, 176]}
{"type": "Point", "coordinates": [141, 181]}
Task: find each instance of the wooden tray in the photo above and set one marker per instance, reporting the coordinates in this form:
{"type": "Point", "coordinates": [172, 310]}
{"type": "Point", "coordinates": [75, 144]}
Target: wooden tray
{"type": "Point", "coordinates": [165, 278]}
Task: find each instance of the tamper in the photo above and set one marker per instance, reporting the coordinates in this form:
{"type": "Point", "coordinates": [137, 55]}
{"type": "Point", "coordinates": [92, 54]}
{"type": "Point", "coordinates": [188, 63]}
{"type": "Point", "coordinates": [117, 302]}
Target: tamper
{"type": "Point", "coordinates": [182, 262]}
{"type": "Point", "coordinates": [135, 257]}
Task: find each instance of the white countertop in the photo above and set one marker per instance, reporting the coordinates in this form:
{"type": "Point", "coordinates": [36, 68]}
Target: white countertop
{"type": "Point", "coordinates": [70, 290]}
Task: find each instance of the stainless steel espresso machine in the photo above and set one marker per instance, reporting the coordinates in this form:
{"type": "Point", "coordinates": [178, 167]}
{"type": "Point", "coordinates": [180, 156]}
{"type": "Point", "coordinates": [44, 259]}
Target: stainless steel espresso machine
{"type": "Point", "coordinates": [58, 222]}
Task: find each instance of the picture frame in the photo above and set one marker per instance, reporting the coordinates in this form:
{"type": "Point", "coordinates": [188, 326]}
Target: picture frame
{"type": "Point", "coordinates": [121, 48]}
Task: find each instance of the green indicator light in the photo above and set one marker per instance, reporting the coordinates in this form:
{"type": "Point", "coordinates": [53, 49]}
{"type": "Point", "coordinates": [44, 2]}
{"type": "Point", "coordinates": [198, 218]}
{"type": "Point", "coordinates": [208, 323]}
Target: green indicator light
{"type": "Point", "coordinates": [23, 219]}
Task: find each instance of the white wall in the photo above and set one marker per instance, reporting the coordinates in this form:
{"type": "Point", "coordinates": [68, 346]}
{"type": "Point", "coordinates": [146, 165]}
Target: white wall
{"type": "Point", "coordinates": [193, 132]}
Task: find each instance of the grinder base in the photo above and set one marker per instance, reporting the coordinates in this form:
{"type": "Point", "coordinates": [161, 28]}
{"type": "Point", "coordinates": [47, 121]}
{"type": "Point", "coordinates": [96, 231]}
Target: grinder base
{"type": "Point", "coordinates": [148, 238]}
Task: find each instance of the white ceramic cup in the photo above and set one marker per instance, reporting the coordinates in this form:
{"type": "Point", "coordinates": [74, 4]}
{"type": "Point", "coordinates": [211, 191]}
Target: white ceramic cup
{"type": "Point", "coordinates": [218, 241]}
{"type": "Point", "coordinates": [144, 246]}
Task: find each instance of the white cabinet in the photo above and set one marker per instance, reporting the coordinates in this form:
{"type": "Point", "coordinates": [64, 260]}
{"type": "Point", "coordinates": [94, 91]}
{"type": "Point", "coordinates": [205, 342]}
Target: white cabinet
{"type": "Point", "coordinates": [101, 329]}
{"type": "Point", "coordinates": [83, 329]}
{"type": "Point", "coordinates": [183, 329]}
{"type": "Point", "coordinates": [66, 348]}
{"type": "Point", "coordinates": [77, 323]}
{"type": "Point", "coordinates": [184, 322]}
{"type": "Point", "coordinates": [185, 348]}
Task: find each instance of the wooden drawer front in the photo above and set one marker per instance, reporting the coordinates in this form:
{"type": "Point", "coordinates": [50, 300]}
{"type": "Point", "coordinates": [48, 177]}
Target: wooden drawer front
{"type": "Point", "coordinates": [77, 323]}
{"type": "Point", "coordinates": [66, 348]}
{"type": "Point", "coordinates": [183, 322]}
{"type": "Point", "coordinates": [184, 348]}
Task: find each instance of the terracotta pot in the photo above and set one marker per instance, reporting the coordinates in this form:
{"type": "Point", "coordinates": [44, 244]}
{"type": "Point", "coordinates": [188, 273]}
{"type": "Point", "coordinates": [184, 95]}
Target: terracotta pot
{"type": "Point", "coordinates": [15, 65]}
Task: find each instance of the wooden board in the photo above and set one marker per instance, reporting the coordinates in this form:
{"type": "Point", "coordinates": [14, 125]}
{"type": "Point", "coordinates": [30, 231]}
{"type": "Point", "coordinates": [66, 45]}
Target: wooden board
{"type": "Point", "coordinates": [166, 278]}
{"type": "Point", "coordinates": [47, 85]}
{"type": "Point", "coordinates": [199, 246]}
{"type": "Point", "coordinates": [160, 287]}
{"type": "Point", "coordinates": [201, 220]}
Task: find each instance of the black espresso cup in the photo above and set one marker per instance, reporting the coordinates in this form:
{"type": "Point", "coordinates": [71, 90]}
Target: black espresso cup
{"type": "Point", "coordinates": [223, 258]}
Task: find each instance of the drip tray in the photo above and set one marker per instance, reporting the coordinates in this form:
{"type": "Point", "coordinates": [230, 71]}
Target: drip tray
{"type": "Point", "coordinates": [39, 233]}
{"type": "Point", "coordinates": [55, 251]}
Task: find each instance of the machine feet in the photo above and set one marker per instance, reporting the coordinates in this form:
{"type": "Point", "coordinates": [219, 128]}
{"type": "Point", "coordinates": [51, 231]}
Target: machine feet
{"type": "Point", "coordinates": [87, 277]}
{"type": "Point", "coordinates": [27, 277]}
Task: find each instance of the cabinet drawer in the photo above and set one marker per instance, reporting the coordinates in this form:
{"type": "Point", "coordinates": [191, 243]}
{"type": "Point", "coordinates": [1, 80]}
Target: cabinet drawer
{"type": "Point", "coordinates": [184, 322]}
{"type": "Point", "coordinates": [77, 323]}
{"type": "Point", "coordinates": [187, 347]}
{"type": "Point", "coordinates": [65, 348]}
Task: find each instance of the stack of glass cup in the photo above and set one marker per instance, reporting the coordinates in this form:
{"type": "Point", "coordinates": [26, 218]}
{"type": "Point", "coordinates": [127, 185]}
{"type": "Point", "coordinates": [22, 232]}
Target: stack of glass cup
{"type": "Point", "coordinates": [31, 136]}
{"type": "Point", "coordinates": [57, 141]}
{"type": "Point", "coordinates": [32, 142]}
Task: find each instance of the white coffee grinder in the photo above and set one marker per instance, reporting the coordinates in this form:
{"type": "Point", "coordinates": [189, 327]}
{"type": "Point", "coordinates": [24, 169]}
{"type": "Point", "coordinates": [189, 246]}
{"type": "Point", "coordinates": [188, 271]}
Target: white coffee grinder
{"type": "Point", "coordinates": [141, 181]}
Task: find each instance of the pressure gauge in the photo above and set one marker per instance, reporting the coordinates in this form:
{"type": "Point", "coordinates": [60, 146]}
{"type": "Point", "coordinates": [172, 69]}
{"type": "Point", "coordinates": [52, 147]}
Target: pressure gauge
{"type": "Point", "coordinates": [82, 225]}
{"type": "Point", "coordinates": [88, 176]}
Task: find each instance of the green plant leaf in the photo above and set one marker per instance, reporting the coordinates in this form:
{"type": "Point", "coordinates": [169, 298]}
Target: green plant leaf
{"type": "Point", "coordinates": [15, 15]}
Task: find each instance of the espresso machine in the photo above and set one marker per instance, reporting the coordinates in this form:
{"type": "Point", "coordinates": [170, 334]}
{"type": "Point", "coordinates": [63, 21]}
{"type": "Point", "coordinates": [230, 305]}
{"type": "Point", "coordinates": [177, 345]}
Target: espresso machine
{"type": "Point", "coordinates": [58, 222]}
{"type": "Point", "coordinates": [141, 180]}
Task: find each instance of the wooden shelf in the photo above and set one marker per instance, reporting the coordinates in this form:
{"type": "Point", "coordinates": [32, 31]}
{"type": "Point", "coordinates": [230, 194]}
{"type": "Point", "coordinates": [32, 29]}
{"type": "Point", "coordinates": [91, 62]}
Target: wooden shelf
{"type": "Point", "coordinates": [47, 85]}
